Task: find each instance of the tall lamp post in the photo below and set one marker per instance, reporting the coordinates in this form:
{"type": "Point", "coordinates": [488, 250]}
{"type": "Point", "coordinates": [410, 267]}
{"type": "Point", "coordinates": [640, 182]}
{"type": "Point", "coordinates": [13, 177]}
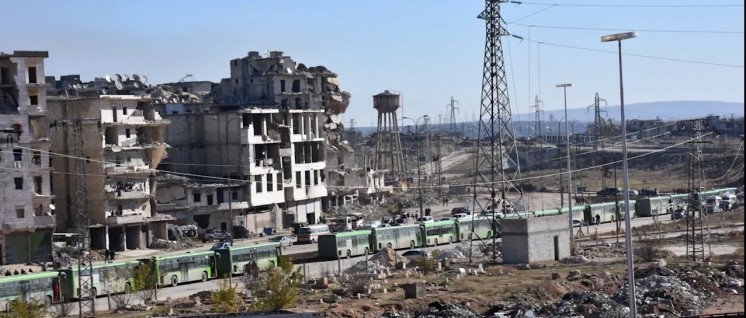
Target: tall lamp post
{"type": "Point", "coordinates": [230, 185]}
{"type": "Point", "coordinates": [417, 161]}
{"type": "Point", "coordinates": [625, 174]}
{"type": "Point", "coordinates": [569, 172]}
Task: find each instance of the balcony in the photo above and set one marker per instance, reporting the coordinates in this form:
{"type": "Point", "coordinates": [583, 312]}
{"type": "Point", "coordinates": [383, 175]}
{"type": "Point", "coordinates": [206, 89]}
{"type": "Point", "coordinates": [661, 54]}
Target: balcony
{"type": "Point", "coordinates": [127, 195]}
{"type": "Point", "coordinates": [44, 221]}
{"type": "Point", "coordinates": [125, 219]}
{"type": "Point", "coordinates": [131, 170]}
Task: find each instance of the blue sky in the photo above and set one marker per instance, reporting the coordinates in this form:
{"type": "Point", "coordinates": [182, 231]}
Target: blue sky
{"type": "Point", "coordinates": [428, 49]}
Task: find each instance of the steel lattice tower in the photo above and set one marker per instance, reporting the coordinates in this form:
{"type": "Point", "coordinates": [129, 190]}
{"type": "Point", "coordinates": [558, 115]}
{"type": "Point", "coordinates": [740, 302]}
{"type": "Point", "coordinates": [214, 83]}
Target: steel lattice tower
{"type": "Point", "coordinates": [86, 302]}
{"type": "Point", "coordinates": [697, 221]}
{"type": "Point", "coordinates": [495, 169]}
{"type": "Point", "coordinates": [452, 120]}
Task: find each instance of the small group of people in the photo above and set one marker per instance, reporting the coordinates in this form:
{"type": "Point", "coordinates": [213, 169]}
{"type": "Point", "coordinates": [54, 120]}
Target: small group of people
{"type": "Point", "coordinates": [108, 256]}
{"type": "Point", "coordinates": [23, 271]}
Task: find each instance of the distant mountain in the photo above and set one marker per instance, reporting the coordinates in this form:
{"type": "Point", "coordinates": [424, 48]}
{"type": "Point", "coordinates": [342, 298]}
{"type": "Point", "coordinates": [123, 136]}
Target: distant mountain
{"type": "Point", "coordinates": [669, 110]}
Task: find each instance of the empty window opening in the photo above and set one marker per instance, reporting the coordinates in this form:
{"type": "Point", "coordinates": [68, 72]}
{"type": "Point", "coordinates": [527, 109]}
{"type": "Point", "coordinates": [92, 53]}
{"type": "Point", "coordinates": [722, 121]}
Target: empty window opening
{"type": "Point", "coordinates": [270, 183]}
{"type": "Point", "coordinates": [38, 210]}
{"type": "Point", "coordinates": [209, 199]}
{"type": "Point", "coordinates": [256, 121]}
{"type": "Point", "coordinates": [36, 158]}
{"type": "Point", "coordinates": [221, 195]}
{"type": "Point", "coordinates": [124, 111]}
{"type": "Point", "coordinates": [298, 103]}
{"type": "Point", "coordinates": [234, 195]}
{"type": "Point", "coordinates": [316, 177]}
{"type": "Point", "coordinates": [282, 86]}
{"type": "Point", "coordinates": [33, 100]}
{"type": "Point", "coordinates": [32, 75]}
{"type": "Point", "coordinates": [5, 76]}
{"type": "Point", "coordinates": [19, 183]}
{"type": "Point", "coordinates": [197, 197]}
{"type": "Point", "coordinates": [20, 212]}
{"type": "Point", "coordinates": [259, 185]}
{"type": "Point", "coordinates": [17, 154]}
{"type": "Point", "coordinates": [114, 112]}
{"type": "Point", "coordinates": [37, 185]}
{"type": "Point", "coordinates": [296, 123]}
{"type": "Point", "coordinates": [296, 86]}
{"type": "Point", "coordinates": [308, 178]}
{"type": "Point", "coordinates": [298, 181]}
{"type": "Point", "coordinates": [127, 133]}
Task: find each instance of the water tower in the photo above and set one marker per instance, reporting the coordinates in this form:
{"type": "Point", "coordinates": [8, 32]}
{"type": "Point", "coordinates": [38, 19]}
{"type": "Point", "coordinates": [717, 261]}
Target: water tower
{"type": "Point", "coordinates": [388, 145]}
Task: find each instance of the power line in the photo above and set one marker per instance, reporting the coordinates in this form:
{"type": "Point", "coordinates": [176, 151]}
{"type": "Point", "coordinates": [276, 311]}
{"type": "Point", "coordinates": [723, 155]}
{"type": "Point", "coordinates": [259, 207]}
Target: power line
{"type": "Point", "coordinates": [632, 5]}
{"type": "Point", "coordinates": [626, 29]}
{"type": "Point", "coordinates": [532, 14]}
{"type": "Point", "coordinates": [639, 55]}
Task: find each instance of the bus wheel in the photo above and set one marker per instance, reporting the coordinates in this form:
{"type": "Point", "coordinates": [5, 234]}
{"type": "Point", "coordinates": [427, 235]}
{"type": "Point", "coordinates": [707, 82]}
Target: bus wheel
{"type": "Point", "coordinates": [174, 281]}
{"type": "Point", "coordinates": [411, 244]}
{"type": "Point", "coordinates": [367, 251]}
{"type": "Point", "coordinates": [48, 301]}
{"type": "Point", "coordinates": [204, 276]}
{"type": "Point", "coordinates": [388, 245]}
{"type": "Point", "coordinates": [436, 242]}
{"type": "Point", "coordinates": [127, 288]}
{"type": "Point", "coordinates": [93, 293]}
{"type": "Point", "coordinates": [349, 254]}
{"type": "Point", "coordinates": [450, 240]}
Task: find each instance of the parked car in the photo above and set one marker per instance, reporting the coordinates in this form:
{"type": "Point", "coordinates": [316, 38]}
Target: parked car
{"type": "Point", "coordinates": [415, 254]}
{"type": "Point", "coordinates": [577, 223]}
{"type": "Point", "coordinates": [211, 235]}
{"type": "Point", "coordinates": [678, 213]}
{"type": "Point", "coordinates": [633, 192]}
{"type": "Point", "coordinates": [609, 191]}
{"type": "Point", "coordinates": [283, 240]}
{"type": "Point", "coordinates": [464, 210]}
{"type": "Point", "coordinates": [460, 215]}
{"type": "Point", "coordinates": [425, 219]}
{"type": "Point", "coordinates": [221, 246]}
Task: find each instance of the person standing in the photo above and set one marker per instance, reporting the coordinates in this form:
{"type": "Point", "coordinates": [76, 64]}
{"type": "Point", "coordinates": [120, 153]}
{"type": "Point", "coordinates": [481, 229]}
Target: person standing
{"type": "Point", "coordinates": [106, 255]}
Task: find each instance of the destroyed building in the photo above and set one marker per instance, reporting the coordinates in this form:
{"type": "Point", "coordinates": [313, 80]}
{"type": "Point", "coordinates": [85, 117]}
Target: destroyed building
{"type": "Point", "coordinates": [123, 142]}
{"type": "Point", "coordinates": [270, 129]}
{"type": "Point", "coordinates": [26, 210]}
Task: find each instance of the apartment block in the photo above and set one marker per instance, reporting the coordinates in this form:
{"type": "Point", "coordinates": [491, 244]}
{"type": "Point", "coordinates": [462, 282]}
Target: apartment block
{"type": "Point", "coordinates": [123, 142]}
{"type": "Point", "coordinates": [27, 218]}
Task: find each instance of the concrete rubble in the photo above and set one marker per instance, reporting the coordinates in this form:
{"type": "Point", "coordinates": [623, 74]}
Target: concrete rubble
{"type": "Point", "coordinates": [173, 245]}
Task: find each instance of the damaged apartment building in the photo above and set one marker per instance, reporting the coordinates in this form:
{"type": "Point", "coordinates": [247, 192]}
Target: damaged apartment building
{"type": "Point", "coordinates": [120, 143]}
{"type": "Point", "coordinates": [266, 136]}
{"type": "Point", "coordinates": [26, 211]}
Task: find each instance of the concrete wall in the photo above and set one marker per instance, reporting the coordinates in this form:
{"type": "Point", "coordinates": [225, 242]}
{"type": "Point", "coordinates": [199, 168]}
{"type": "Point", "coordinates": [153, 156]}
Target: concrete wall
{"type": "Point", "coordinates": [532, 240]}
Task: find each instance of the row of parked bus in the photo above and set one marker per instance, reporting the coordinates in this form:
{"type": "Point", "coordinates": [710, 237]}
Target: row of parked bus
{"type": "Point", "coordinates": [361, 242]}
{"type": "Point", "coordinates": [62, 285]}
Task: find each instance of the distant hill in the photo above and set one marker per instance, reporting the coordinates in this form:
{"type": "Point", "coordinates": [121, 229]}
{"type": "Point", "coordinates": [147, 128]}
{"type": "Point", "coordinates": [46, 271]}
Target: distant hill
{"type": "Point", "coordinates": [670, 110]}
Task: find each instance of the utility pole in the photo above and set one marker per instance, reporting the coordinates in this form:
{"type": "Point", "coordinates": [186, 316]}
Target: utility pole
{"type": "Point", "coordinates": [698, 226]}
{"type": "Point", "coordinates": [452, 110]}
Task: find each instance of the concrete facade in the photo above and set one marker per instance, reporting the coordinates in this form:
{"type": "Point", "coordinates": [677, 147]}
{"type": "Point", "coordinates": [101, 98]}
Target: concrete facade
{"type": "Point", "coordinates": [535, 239]}
{"type": "Point", "coordinates": [26, 216]}
{"type": "Point", "coordinates": [123, 143]}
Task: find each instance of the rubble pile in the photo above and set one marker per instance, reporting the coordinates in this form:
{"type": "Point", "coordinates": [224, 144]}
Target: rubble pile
{"type": "Point", "coordinates": [587, 304]}
{"type": "Point", "coordinates": [172, 245]}
{"type": "Point", "coordinates": [387, 257]}
{"type": "Point", "coordinates": [602, 251]}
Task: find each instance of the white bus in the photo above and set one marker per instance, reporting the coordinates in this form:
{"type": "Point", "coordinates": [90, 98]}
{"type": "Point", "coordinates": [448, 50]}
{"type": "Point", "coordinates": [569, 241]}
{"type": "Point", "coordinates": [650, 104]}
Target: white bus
{"type": "Point", "coordinates": [310, 234]}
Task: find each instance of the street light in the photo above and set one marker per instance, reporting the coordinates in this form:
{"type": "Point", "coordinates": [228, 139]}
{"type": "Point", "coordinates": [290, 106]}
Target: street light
{"type": "Point", "coordinates": [625, 176]}
{"type": "Point", "coordinates": [416, 136]}
{"type": "Point", "coordinates": [569, 172]}
{"type": "Point", "coordinates": [230, 185]}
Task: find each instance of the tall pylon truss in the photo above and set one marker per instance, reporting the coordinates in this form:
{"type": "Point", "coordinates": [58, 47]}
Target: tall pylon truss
{"type": "Point", "coordinates": [697, 221]}
{"type": "Point", "coordinates": [496, 164]}
{"type": "Point", "coordinates": [452, 109]}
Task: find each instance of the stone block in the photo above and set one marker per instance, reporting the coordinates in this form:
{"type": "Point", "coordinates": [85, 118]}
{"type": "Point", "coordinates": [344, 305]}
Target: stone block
{"type": "Point", "coordinates": [413, 290]}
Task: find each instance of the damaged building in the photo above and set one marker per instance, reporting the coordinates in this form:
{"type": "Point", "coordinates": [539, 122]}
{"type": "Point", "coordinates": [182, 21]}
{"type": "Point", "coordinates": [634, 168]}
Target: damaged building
{"type": "Point", "coordinates": [26, 210]}
{"type": "Point", "coordinates": [274, 130]}
{"type": "Point", "coordinates": [123, 142]}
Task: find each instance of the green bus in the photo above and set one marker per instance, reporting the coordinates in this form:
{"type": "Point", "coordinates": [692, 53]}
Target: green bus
{"type": "Point", "coordinates": [599, 213]}
{"type": "Point", "coordinates": [434, 233]}
{"type": "Point", "coordinates": [483, 227]}
{"type": "Point", "coordinates": [44, 286]}
{"type": "Point", "coordinates": [181, 268]}
{"type": "Point", "coordinates": [577, 212]}
{"type": "Point", "coordinates": [396, 237]}
{"type": "Point", "coordinates": [107, 278]}
{"type": "Point", "coordinates": [621, 212]}
{"type": "Point", "coordinates": [344, 244]}
{"type": "Point", "coordinates": [238, 260]}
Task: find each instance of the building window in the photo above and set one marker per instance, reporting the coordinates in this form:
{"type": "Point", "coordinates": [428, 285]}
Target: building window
{"type": "Point", "coordinates": [234, 195]}
{"type": "Point", "coordinates": [17, 154]}
{"type": "Point", "coordinates": [32, 75]}
{"type": "Point", "coordinates": [127, 133]}
{"type": "Point", "coordinates": [259, 185]}
{"type": "Point", "coordinates": [296, 86]}
{"type": "Point", "coordinates": [20, 212]}
{"type": "Point", "coordinates": [298, 181]}
{"type": "Point", "coordinates": [209, 199]}
{"type": "Point", "coordinates": [36, 158]}
{"type": "Point", "coordinates": [124, 111]}
{"type": "Point", "coordinates": [316, 177]}
{"type": "Point", "coordinates": [282, 86]}
{"type": "Point", "coordinates": [37, 185]}
{"type": "Point", "coordinates": [270, 182]}
{"type": "Point", "coordinates": [308, 178]}
{"type": "Point", "coordinates": [33, 100]}
{"type": "Point", "coordinates": [196, 197]}
{"type": "Point", "coordinates": [114, 112]}
{"type": "Point", "coordinates": [19, 183]}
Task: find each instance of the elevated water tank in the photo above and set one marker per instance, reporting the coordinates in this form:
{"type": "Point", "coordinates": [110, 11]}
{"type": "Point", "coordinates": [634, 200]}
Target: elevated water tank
{"type": "Point", "coordinates": [386, 102]}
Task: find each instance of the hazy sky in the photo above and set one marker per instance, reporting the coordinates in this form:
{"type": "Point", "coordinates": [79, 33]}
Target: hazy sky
{"type": "Point", "coordinates": [428, 49]}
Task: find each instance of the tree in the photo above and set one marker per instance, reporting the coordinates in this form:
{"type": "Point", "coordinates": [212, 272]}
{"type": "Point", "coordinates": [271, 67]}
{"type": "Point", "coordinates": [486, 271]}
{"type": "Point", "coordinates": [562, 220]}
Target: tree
{"type": "Point", "coordinates": [225, 299]}
{"type": "Point", "coordinates": [277, 288]}
{"type": "Point", "coordinates": [18, 308]}
{"type": "Point", "coordinates": [145, 281]}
